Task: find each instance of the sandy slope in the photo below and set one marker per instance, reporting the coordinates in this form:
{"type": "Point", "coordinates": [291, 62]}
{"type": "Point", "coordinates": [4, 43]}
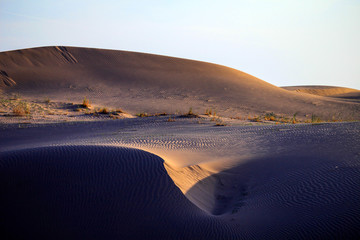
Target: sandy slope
{"type": "Point", "coordinates": [150, 178]}
{"type": "Point", "coordinates": [251, 182]}
{"type": "Point", "coordinates": [347, 94]}
{"type": "Point", "coordinates": [140, 82]}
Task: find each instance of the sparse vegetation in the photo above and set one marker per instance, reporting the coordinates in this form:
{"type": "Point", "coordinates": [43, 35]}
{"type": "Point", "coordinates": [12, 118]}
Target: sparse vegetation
{"type": "Point", "coordinates": [294, 118]}
{"type": "Point", "coordinates": [190, 111]}
{"type": "Point", "coordinates": [270, 116]}
{"type": "Point", "coordinates": [171, 119]}
{"type": "Point", "coordinates": [161, 114]}
{"type": "Point", "coordinates": [255, 119]}
{"type": "Point", "coordinates": [208, 112]}
{"type": "Point", "coordinates": [315, 119]}
{"type": "Point", "coordinates": [47, 100]}
{"type": "Point", "coordinates": [143, 114]}
{"type": "Point", "coordinates": [21, 109]}
{"type": "Point", "coordinates": [190, 114]}
{"type": "Point", "coordinates": [103, 111]}
{"type": "Point", "coordinates": [85, 103]}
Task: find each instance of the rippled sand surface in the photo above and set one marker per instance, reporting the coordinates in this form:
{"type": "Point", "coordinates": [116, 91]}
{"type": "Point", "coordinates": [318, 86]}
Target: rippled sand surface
{"type": "Point", "coordinates": [149, 178]}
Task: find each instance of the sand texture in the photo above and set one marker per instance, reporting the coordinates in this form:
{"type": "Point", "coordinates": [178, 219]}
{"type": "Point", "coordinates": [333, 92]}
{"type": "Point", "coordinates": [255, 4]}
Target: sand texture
{"type": "Point", "coordinates": [104, 144]}
{"type": "Point", "coordinates": [138, 82]}
{"type": "Point", "coordinates": [149, 178]}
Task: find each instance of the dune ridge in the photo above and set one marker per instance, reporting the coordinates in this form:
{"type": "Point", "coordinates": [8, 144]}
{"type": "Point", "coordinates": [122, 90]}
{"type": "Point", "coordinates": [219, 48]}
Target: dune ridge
{"type": "Point", "coordinates": [322, 90]}
{"type": "Point", "coordinates": [139, 82]}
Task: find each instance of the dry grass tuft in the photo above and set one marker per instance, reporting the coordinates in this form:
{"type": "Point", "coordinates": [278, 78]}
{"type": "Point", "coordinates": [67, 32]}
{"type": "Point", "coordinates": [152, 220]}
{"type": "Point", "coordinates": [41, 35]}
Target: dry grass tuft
{"type": "Point", "coordinates": [85, 103]}
{"type": "Point", "coordinates": [270, 116]}
{"type": "Point", "coordinates": [103, 111]}
{"type": "Point", "coordinates": [143, 114]}
{"type": "Point", "coordinates": [171, 119]}
{"type": "Point", "coordinates": [315, 119]}
{"type": "Point", "coordinates": [161, 114]}
{"type": "Point", "coordinates": [254, 119]}
{"type": "Point", "coordinates": [22, 109]}
{"type": "Point", "coordinates": [190, 114]}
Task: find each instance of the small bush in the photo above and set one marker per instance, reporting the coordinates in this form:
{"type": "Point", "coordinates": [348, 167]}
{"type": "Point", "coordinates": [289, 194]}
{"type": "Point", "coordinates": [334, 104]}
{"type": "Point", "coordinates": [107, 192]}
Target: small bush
{"type": "Point", "coordinates": [208, 112]}
{"type": "Point", "coordinates": [161, 114]}
{"type": "Point", "coordinates": [270, 116]}
{"type": "Point", "coordinates": [294, 118]}
{"type": "Point", "coordinates": [142, 114]}
{"type": "Point", "coordinates": [255, 119]}
{"type": "Point", "coordinates": [190, 114]}
{"type": "Point", "coordinates": [104, 111]}
{"type": "Point", "coordinates": [85, 103]}
{"type": "Point", "coordinates": [171, 119]}
{"type": "Point", "coordinates": [21, 109]}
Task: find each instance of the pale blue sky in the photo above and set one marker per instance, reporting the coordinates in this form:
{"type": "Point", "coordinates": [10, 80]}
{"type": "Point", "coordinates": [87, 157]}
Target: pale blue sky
{"type": "Point", "coordinates": [284, 42]}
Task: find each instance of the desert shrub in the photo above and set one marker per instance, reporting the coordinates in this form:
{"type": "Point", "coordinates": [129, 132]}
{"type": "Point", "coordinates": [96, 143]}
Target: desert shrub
{"type": "Point", "coordinates": [190, 111]}
{"type": "Point", "coordinates": [161, 114]}
{"type": "Point", "coordinates": [104, 111]}
{"type": "Point", "coordinates": [270, 116]}
{"type": "Point", "coordinates": [294, 118]}
{"type": "Point", "coordinates": [190, 114]}
{"type": "Point", "coordinates": [21, 109]}
{"type": "Point", "coordinates": [143, 114]}
{"type": "Point", "coordinates": [171, 119]}
{"type": "Point", "coordinates": [255, 119]}
{"type": "Point", "coordinates": [85, 103]}
{"type": "Point", "coordinates": [208, 112]}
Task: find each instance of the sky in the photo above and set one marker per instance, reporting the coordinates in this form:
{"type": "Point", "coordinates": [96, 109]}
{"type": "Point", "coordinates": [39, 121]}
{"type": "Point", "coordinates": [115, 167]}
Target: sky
{"type": "Point", "coordinates": [283, 42]}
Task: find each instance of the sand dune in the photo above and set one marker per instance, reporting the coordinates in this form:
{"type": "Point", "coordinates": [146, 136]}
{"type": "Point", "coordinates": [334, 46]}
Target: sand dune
{"type": "Point", "coordinates": [83, 176]}
{"type": "Point", "coordinates": [293, 181]}
{"type": "Point", "coordinates": [140, 82]}
{"type": "Point", "coordinates": [321, 90]}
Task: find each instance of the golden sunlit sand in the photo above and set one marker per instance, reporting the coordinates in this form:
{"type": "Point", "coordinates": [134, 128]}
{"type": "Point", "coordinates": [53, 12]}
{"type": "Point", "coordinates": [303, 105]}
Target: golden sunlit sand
{"type": "Point", "coordinates": [105, 144]}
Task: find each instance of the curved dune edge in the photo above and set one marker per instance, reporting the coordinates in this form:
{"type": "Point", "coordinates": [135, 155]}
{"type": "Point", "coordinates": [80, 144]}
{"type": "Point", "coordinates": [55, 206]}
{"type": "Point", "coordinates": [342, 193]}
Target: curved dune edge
{"type": "Point", "coordinates": [322, 90]}
{"type": "Point", "coordinates": [96, 192]}
{"type": "Point", "coordinates": [111, 192]}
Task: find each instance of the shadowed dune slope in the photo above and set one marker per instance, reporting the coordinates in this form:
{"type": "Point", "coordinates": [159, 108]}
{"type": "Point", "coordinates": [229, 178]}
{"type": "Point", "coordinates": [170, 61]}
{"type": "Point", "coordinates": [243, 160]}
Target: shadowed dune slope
{"type": "Point", "coordinates": [146, 82]}
{"type": "Point", "coordinates": [93, 192]}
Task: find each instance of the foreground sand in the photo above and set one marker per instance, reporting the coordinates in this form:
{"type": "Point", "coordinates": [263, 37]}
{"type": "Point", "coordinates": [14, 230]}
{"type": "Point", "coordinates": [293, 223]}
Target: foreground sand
{"type": "Point", "coordinates": [149, 178]}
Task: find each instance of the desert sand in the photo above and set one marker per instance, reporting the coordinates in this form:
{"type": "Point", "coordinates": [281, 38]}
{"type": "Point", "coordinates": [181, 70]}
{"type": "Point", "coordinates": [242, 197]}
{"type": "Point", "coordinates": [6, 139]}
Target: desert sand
{"type": "Point", "coordinates": [249, 160]}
